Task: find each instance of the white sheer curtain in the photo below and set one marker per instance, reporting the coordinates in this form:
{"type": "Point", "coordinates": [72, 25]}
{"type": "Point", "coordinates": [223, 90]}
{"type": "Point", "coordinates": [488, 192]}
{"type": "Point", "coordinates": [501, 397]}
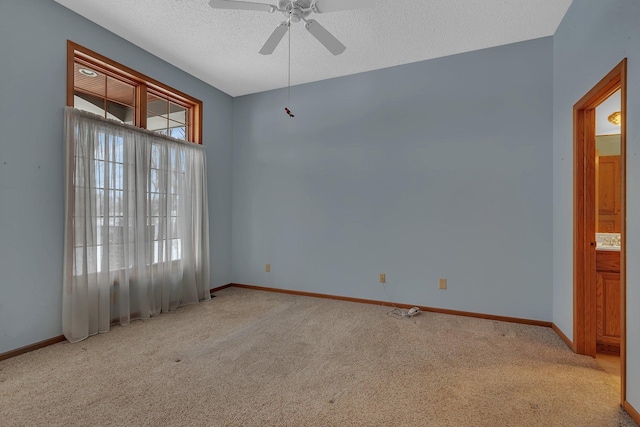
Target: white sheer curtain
{"type": "Point", "coordinates": [136, 224]}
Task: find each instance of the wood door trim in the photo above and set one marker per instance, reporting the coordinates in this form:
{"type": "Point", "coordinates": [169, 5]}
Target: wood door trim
{"type": "Point", "coordinates": [623, 234]}
{"type": "Point", "coordinates": [584, 272]}
{"type": "Point", "coordinates": [589, 229]}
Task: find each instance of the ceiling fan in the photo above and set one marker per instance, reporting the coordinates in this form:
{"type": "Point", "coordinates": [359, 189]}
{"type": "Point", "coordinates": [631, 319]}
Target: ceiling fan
{"type": "Point", "coordinates": [296, 11]}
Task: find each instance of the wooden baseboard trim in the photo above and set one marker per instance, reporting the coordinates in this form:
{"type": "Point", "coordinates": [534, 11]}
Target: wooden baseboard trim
{"type": "Point", "coordinates": [561, 334]}
{"type": "Point", "coordinates": [399, 305]}
{"type": "Point", "coordinates": [31, 347]}
{"type": "Point", "coordinates": [631, 411]}
{"type": "Point", "coordinates": [485, 316]}
{"type": "Point", "coordinates": [55, 340]}
{"type": "Point", "coordinates": [219, 288]}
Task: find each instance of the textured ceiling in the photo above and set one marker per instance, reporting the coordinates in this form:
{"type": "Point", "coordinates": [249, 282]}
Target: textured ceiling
{"type": "Point", "coordinates": [221, 47]}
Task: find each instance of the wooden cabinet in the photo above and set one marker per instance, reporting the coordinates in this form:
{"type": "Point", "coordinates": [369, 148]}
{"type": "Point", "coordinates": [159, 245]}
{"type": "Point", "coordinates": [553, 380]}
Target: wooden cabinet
{"type": "Point", "coordinates": [608, 301]}
{"type": "Point", "coordinates": [608, 194]}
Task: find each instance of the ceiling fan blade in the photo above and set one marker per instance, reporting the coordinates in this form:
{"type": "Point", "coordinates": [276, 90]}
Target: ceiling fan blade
{"type": "Point", "coordinates": [242, 5]}
{"type": "Point", "coordinates": [325, 37]}
{"type": "Point", "coordinates": [324, 6]}
{"type": "Point", "coordinates": [274, 39]}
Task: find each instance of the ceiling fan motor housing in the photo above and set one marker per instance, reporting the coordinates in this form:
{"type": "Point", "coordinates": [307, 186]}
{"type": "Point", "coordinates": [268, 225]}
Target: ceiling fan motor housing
{"type": "Point", "coordinates": [297, 9]}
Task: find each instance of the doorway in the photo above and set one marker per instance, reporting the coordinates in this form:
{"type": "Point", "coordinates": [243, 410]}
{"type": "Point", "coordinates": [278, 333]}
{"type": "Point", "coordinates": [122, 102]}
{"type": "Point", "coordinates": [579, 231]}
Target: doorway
{"type": "Point", "coordinates": [591, 283]}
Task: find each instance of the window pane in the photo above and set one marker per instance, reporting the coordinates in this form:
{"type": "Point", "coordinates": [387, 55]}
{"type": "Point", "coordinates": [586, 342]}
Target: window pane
{"type": "Point", "coordinates": [84, 81]}
{"type": "Point", "coordinates": [115, 175]}
{"type": "Point", "coordinates": [121, 92]}
{"type": "Point", "coordinates": [98, 148]}
{"type": "Point", "coordinates": [116, 235]}
{"type": "Point", "coordinates": [155, 156]}
{"type": "Point", "coordinates": [176, 160]}
{"type": "Point", "coordinates": [115, 204]}
{"type": "Point", "coordinates": [177, 113]}
{"type": "Point", "coordinates": [155, 233]}
{"type": "Point", "coordinates": [96, 238]}
{"type": "Point", "coordinates": [79, 261]}
{"type": "Point", "coordinates": [89, 89]}
{"type": "Point", "coordinates": [121, 113]}
{"type": "Point", "coordinates": [157, 123]}
{"type": "Point", "coordinates": [173, 227]}
{"type": "Point", "coordinates": [176, 249]}
{"type": "Point", "coordinates": [182, 162]}
{"type": "Point", "coordinates": [157, 106]}
{"type": "Point", "coordinates": [174, 183]}
{"type": "Point", "coordinates": [154, 181]}
{"type": "Point", "coordinates": [88, 102]}
{"type": "Point", "coordinates": [116, 256]}
{"type": "Point", "coordinates": [173, 205]}
{"type": "Point", "coordinates": [177, 130]}
{"type": "Point", "coordinates": [155, 205]}
{"type": "Point", "coordinates": [116, 149]}
{"type": "Point", "coordinates": [99, 174]}
{"type": "Point", "coordinates": [167, 118]}
{"type": "Point", "coordinates": [158, 249]}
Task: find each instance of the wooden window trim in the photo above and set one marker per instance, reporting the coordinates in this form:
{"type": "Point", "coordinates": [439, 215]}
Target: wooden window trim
{"type": "Point", "coordinates": [76, 52]}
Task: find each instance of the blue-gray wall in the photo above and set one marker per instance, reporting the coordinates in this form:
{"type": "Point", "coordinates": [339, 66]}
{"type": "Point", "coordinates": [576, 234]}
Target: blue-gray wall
{"type": "Point", "coordinates": [436, 169]}
{"type": "Point", "coordinates": [592, 39]}
{"type": "Point", "coordinates": [33, 37]}
{"type": "Point", "coordinates": [441, 168]}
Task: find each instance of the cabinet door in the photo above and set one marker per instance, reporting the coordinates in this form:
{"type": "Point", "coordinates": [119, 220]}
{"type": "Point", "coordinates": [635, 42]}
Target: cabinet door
{"type": "Point", "coordinates": [608, 224]}
{"type": "Point", "coordinates": [608, 194]}
{"type": "Point", "coordinates": [608, 312]}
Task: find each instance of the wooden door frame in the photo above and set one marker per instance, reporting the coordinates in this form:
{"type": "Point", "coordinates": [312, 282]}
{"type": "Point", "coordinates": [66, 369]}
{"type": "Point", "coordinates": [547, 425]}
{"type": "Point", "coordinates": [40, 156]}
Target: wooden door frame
{"type": "Point", "coordinates": [584, 224]}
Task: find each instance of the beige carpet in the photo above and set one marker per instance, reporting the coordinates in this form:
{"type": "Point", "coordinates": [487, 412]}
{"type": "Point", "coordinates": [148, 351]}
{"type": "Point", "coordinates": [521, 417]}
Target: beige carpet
{"type": "Point", "coordinates": [251, 358]}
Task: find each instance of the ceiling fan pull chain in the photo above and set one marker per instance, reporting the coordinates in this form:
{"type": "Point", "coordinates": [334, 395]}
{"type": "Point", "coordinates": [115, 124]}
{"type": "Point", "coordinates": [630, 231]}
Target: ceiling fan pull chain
{"type": "Point", "coordinates": [289, 82]}
{"type": "Point", "coordinates": [286, 109]}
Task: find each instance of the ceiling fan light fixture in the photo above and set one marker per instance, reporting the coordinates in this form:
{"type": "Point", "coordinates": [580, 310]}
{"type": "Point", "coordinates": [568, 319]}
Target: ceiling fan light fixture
{"type": "Point", "coordinates": [616, 118]}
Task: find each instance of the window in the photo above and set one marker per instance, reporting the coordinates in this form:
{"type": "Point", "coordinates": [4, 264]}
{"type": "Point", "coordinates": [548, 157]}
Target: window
{"type": "Point", "coordinates": [107, 88]}
{"type": "Point", "coordinates": [136, 224]}
{"type": "Point", "coordinates": [136, 216]}
{"type": "Point", "coordinates": [166, 117]}
{"type": "Point", "coordinates": [111, 184]}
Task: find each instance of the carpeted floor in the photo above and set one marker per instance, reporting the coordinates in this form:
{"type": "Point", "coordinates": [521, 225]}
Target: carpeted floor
{"type": "Point", "coordinates": [252, 358]}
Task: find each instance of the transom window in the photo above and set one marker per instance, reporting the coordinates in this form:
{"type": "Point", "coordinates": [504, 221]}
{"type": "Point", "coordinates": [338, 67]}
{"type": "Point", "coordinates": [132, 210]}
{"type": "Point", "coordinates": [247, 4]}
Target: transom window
{"type": "Point", "coordinates": [114, 91]}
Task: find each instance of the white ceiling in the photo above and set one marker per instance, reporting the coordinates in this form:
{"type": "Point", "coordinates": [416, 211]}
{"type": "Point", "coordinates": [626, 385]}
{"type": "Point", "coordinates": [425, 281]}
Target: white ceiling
{"type": "Point", "coordinates": [603, 111]}
{"type": "Point", "coordinates": [221, 47]}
